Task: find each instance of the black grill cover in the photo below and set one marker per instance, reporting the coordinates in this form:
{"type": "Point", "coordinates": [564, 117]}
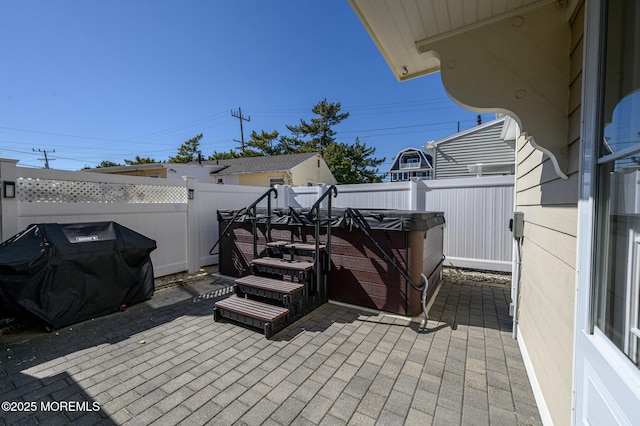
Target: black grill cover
{"type": "Point", "coordinates": [60, 274]}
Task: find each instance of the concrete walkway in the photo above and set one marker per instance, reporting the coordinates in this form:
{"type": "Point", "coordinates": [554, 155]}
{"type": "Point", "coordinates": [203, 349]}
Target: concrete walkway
{"type": "Point", "coordinates": [166, 362]}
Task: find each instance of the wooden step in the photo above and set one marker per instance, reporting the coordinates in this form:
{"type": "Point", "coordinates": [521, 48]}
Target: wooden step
{"type": "Point", "coordinates": [294, 246]}
{"type": "Point", "coordinates": [251, 312]}
{"type": "Point", "coordinates": [304, 246]}
{"type": "Point", "coordinates": [278, 244]}
{"type": "Point", "coordinates": [270, 284]}
{"type": "Point", "coordinates": [282, 264]}
{"type": "Point", "coordinates": [289, 293]}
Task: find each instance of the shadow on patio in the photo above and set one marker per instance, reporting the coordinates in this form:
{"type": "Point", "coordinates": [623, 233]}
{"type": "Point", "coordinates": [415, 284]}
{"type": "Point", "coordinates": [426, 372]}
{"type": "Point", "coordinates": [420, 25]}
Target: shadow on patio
{"type": "Point", "coordinates": [165, 360]}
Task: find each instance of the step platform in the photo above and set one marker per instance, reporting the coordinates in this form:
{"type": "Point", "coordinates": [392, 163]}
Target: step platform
{"type": "Point", "coordinates": [287, 292]}
{"type": "Point", "coordinates": [288, 245]}
{"type": "Point", "coordinates": [269, 318]}
{"type": "Point", "coordinates": [278, 244]}
{"type": "Point", "coordinates": [270, 265]}
{"type": "Point", "coordinates": [304, 247]}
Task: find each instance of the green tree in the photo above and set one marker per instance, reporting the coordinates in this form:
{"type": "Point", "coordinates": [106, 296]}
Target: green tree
{"type": "Point", "coordinates": [318, 134]}
{"type": "Point", "coordinates": [188, 151]}
{"type": "Point", "coordinates": [107, 163]}
{"type": "Point", "coordinates": [262, 144]}
{"type": "Point", "coordinates": [349, 163]}
{"type": "Point", "coordinates": [353, 163]}
{"type": "Point", "coordinates": [224, 155]}
{"type": "Point", "coordinates": [258, 145]}
{"type": "Point", "coordinates": [140, 160]}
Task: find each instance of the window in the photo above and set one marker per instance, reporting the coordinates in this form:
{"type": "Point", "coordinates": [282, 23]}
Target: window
{"type": "Point", "coordinates": [617, 257]}
{"type": "Point", "coordinates": [276, 181]}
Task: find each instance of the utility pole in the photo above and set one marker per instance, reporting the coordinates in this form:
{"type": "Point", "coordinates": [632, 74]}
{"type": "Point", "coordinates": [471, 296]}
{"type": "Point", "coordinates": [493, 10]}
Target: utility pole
{"type": "Point", "coordinates": [242, 118]}
{"type": "Point", "coordinates": [46, 158]}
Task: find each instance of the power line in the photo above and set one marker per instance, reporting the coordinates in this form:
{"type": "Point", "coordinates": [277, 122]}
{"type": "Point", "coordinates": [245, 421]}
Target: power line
{"type": "Point", "coordinates": [155, 134]}
{"type": "Point", "coordinates": [46, 158]}
{"type": "Point", "coordinates": [398, 127]}
{"type": "Point", "coordinates": [181, 127]}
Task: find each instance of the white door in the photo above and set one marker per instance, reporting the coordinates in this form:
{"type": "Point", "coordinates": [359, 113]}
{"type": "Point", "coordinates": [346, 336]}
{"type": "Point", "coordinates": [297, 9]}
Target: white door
{"type": "Point", "coordinates": [606, 367]}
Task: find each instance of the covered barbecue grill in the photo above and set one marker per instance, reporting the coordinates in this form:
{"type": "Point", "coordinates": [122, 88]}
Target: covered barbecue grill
{"type": "Point", "coordinates": [59, 274]}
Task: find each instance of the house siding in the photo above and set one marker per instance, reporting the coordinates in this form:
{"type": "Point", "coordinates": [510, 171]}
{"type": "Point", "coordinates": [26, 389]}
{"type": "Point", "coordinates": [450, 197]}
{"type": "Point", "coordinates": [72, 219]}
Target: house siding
{"type": "Point", "coordinates": [312, 170]}
{"type": "Point", "coordinates": [486, 146]}
{"type": "Point", "coordinates": [547, 286]}
{"type": "Point", "coordinates": [159, 172]}
{"type": "Point", "coordinates": [261, 179]}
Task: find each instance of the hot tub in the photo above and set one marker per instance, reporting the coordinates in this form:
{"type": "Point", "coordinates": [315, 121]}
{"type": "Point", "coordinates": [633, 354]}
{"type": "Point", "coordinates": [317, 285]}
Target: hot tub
{"type": "Point", "coordinates": [379, 258]}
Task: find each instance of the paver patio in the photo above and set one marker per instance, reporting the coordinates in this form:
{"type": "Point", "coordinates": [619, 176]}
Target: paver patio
{"type": "Point", "coordinates": [166, 361]}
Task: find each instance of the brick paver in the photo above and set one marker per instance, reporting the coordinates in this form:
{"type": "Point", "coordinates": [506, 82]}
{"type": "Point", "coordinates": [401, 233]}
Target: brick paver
{"type": "Point", "coordinates": [166, 362]}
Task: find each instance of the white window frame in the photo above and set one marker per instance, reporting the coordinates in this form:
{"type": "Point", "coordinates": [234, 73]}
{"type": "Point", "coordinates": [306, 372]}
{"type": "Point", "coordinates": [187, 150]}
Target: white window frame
{"type": "Point", "coordinates": [589, 155]}
{"type": "Point", "coordinates": [277, 180]}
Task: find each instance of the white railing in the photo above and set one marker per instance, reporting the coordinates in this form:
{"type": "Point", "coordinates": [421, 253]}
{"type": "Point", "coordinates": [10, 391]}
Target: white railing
{"type": "Point", "coordinates": [409, 166]}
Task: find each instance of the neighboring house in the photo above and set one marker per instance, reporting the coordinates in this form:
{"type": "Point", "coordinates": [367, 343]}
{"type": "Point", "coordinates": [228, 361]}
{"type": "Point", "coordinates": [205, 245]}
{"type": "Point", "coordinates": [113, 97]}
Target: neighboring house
{"type": "Point", "coordinates": [486, 149]}
{"type": "Point", "coordinates": [567, 72]}
{"type": "Point", "coordinates": [158, 170]}
{"type": "Point", "coordinates": [307, 169]}
{"type": "Point", "coordinates": [410, 163]}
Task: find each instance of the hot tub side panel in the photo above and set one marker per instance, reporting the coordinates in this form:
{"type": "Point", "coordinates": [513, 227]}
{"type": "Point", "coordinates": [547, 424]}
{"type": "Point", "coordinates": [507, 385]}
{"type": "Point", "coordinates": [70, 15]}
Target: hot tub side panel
{"type": "Point", "coordinates": [415, 270]}
{"type": "Point", "coordinates": [236, 247]}
{"type": "Point", "coordinates": [235, 250]}
{"type": "Point", "coordinates": [360, 275]}
{"type": "Point", "coordinates": [432, 259]}
{"type": "Point", "coordinates": [425, 258]}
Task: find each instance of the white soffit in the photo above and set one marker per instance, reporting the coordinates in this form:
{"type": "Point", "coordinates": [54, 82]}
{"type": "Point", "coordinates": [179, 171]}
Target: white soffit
{"type": "Point", "coordinates": [508, 56]}
{"type": "Point", "coordinates": [400, 28]}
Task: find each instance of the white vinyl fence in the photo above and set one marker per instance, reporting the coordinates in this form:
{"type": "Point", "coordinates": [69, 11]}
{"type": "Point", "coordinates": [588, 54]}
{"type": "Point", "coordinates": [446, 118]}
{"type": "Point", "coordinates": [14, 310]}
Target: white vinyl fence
{"type": "Point", "coordinates": [181, 215]}
{"type": "Point", "coordinates": [476, 210]}
{"type": "Point", "coordinates": [393, 195]}
{"type": "Point", "coordinates": [184, 226]}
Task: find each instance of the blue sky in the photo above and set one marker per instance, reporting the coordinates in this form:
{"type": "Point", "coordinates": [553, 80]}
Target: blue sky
{"type": "Point", "coordinates": [109, 80]}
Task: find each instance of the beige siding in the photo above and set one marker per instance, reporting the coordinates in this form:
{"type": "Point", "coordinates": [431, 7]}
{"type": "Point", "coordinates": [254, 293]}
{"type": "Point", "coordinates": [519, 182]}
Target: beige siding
{"type": "Point", "coordinates": [563, 217]}
{"type": "Point", "coordinates": [313, 171]}
{"type": "Point", "coordinates": [262, 179]}
{"type": "Point", "coordinates": [159, 172]}
{"type": "Point", "coordinates": [547, 287]}
{"type": "Point", "coordinates": [546, 324]}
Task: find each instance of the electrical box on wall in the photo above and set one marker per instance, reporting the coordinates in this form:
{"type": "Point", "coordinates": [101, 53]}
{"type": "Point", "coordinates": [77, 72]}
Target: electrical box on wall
{"type": "Point", "coordinates": [516, 225]}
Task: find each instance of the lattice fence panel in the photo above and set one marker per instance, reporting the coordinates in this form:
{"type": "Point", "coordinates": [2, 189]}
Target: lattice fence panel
{"type": "Point", "coordinates": [31, 190]}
